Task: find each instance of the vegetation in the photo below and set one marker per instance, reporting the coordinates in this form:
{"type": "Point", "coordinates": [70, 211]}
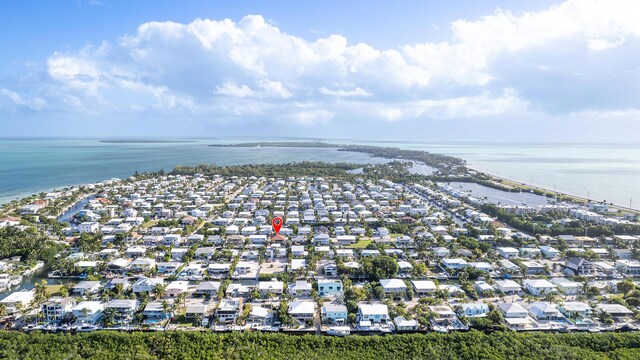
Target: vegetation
{"type": "Point", "coordinates": [27, 243]}
{"type": "Point", "coordinates": [305, 168]}
{"type": "Point", "coordinates": [190, 345]}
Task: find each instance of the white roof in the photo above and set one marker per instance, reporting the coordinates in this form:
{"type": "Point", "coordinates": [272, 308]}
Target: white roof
{"type": "Point", "coordinates": [302, 307]}
{"type": "Point", "coordinates": [392, 283]}
{"type": "Point", "coordinates": [538, 283]}
{"type": "Point", "coordinates": [373, 309]}
{"type": "Point", "coordinates": [423, 284]}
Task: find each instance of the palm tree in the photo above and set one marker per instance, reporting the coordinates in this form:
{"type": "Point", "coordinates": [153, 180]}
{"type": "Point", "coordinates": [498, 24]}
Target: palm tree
{"type": "Point", "coordinates": [159, 290]}
{"type": "Point", "coordinates": [166, 308]}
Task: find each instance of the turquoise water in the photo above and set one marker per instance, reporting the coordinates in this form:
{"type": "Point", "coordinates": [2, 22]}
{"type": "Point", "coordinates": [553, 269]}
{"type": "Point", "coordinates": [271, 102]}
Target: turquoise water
{"type": "Point", "coordinates": [30, 166]}
{"type": "Point", "coordinates": [601, 171]}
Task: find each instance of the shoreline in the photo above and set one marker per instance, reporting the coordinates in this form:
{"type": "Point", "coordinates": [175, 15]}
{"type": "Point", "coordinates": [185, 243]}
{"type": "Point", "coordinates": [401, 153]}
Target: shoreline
{"type": "Point", "coordinates": [500, 181]}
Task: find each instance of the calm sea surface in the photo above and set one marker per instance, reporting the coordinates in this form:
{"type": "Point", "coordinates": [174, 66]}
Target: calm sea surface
{"type": "Point", "coordinates": [601, 171]}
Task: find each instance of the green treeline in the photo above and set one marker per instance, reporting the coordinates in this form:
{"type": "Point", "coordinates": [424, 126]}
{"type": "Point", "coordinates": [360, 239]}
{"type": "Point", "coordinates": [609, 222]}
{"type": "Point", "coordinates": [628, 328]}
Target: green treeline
{"type": "Point", "coordinates": [305, 168]}
{"type": "Point", "coordinates": [207, 345]}
{"type": "Point", "coordinates": [27, 243]}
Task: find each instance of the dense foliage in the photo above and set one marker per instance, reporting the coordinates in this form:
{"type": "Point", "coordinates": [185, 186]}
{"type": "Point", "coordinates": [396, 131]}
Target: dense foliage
{"type": "Point", "coordinates": [190, 345]}
{"type": "Point", "coordinates": [27, 243]}
{"type": "Point", "coordinates": [305, 168]}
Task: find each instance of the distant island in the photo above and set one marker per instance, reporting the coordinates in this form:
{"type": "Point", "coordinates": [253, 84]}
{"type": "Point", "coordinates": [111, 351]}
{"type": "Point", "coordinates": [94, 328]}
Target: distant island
{"type": "Point", "coordinates": [307, 144]}
{"type": "Point", "coordinates": [144, 141]}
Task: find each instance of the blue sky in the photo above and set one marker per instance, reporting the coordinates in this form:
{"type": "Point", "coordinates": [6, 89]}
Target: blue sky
{"type": "Point", "coordinates": [530, 70]}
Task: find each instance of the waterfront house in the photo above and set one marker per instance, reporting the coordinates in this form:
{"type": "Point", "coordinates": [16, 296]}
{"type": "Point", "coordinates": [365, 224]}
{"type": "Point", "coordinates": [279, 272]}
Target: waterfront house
{"type": "Point", "coordinates": [334, 314]}
{"type": "Point", "coordinates": [56, 308]}
{"type": "Point", "coordinates": [544, 311]}
{"type": "Point", "coordinates": [302, 310]}
{"type": "Point", "coordinates": [84, 288]}
{"type": "Point", "coordinates": [228, 310]}
{"type": "Point", "coordinates": [88, 311]}
{"type": "Point", "coordinates": [539, 287]}
{"type": "Point", "coordinates": [375, 313]}
{"type": "Point", "coordinates": [123, 310]}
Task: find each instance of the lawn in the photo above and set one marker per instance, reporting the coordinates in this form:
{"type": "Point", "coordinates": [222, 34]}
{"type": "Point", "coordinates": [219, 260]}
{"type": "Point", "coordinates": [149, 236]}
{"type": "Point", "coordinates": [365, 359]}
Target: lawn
{"type": "Point", "coordinates": [360, 244]}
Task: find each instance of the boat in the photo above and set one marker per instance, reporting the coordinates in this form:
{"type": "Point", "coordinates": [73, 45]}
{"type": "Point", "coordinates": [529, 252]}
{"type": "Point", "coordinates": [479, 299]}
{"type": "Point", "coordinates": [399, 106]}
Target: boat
{"type": "Point", "coordinates": [87, 328]}
{"type": "Point", "coordinates": [339, 331]}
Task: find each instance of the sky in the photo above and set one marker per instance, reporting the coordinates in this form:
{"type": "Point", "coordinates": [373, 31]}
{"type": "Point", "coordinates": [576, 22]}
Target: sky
{"type": "Point", "coordinates": [497, 70]}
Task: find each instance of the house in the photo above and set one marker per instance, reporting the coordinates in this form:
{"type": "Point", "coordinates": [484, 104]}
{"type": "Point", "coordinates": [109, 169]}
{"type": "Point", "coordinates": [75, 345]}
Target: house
{"type": "Point", "coordinates": [56, 308]}
{"type": "Point", "coordinates": [512, 310]}
{"type": "Point", "coordinates": [123, 310]}
{"type": "Point", "coordinates": [84, 288]}
{"type": "Point", "coordinates": [121, 282]}
{"type": "Point", "coordinates": [274, 287]}
{"type": "Point", "coordinates": [228, 310]}
{"type": "Point", "coordinates": [330, 288]}
{"type": "Point", "coordinates": [615, 310]}
{"type": "Point", "coordinates": [483, 287]}
{"type": "Point", "coordinates": [302, 310]}
{"type": "Point", "coordinates": [175, 288]}
{"type": "Point", "coordinates": [630, 267]}
{"type": "Point", "coordinates": [403, 324]}
{"type": "Point", "coordinates": [530, 252]}
{"type": "Point", "coordinates": [300, 288]}
{"type": "Point", "coordinates": [423, 287]}
{"type": "Point", "coordinates": [118, 265]}
{"type": "Point", "coordinates": [330, 268]}
{"type": "Point", "coordinates": [18, 299]}
{"type": "Point", "coordinates": [476, 309]}
{"type": "Point", "coordinates": [207, 288]}
{"type": "Point", "coordinates": [260, 315]}
{"type": "Point", "coordinates": [539, 287]}
{"type": "Point", "coordinates": [544, 311]}
{"type": "Point", "coordinates": [142, 264]}
{"type": "Point", "coordinates": [442, 312]}
{"type": "Point", "coordinates": [218, 271]}
{"type": "Point", "coordinates": [89, 227]}
{"type": "Point", "coordinates": [88, 311]}
{"type": "Point", "coordinates": [453, 264]}
{"type": "Point", "coordinates": [334, 314]}
{"type": "Point", "coordinates": [195, 311]}
{"type": "Point", "coordinates": [144, 284]}
{"type": "Point", "coordinates": [404, 268]}
{"type": "Point", "coordinates": [508, 286]}
{"type": "Point", "coordinates": [168, 267]}
{"type": "Point", "coordinates": [567, 286]}
{"type": "Point", "coordinates": [508, 252]}
{"type": "Point", "coordinates": [549, 252]}
{"type": "Point", "coordinates": [575, 309]}
{"type": "Point", "coordinates": [441, 252]}
{"type": "Point", "coordinates": [580, 267]}
{"type": "Point", "coordinates": [393, 286]}
{"type": "Point", "coordinates": [533, 267]}
{"type": "Point", "coordinates": [154, 310]}
{"type": "Point", "coordinates": [375, 313]}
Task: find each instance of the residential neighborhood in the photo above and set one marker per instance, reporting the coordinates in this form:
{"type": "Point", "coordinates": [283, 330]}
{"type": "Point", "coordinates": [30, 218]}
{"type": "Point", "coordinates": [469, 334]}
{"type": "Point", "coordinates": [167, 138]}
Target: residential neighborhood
{"type": "Point", "coordinates": [357, 255]}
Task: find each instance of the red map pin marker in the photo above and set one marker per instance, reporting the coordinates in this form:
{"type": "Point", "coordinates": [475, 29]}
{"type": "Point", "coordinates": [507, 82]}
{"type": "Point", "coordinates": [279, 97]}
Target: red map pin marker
{"type": "Point", "coordinates": [277, 224]}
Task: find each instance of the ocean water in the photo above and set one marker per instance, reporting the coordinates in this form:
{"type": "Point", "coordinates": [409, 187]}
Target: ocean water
{"type": "Point", "coordinates": [33, 165]}
{"type": "Point", "coordinates": [600, 171]}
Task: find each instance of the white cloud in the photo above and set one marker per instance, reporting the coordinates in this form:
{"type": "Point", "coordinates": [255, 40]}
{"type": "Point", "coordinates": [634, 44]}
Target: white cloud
{"type": "Point", "coordinates": [357, 92]}
{"type": "Point", "coordinates": [603, 44]}
{"type": "Point", "coordinates": [223, 68]}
